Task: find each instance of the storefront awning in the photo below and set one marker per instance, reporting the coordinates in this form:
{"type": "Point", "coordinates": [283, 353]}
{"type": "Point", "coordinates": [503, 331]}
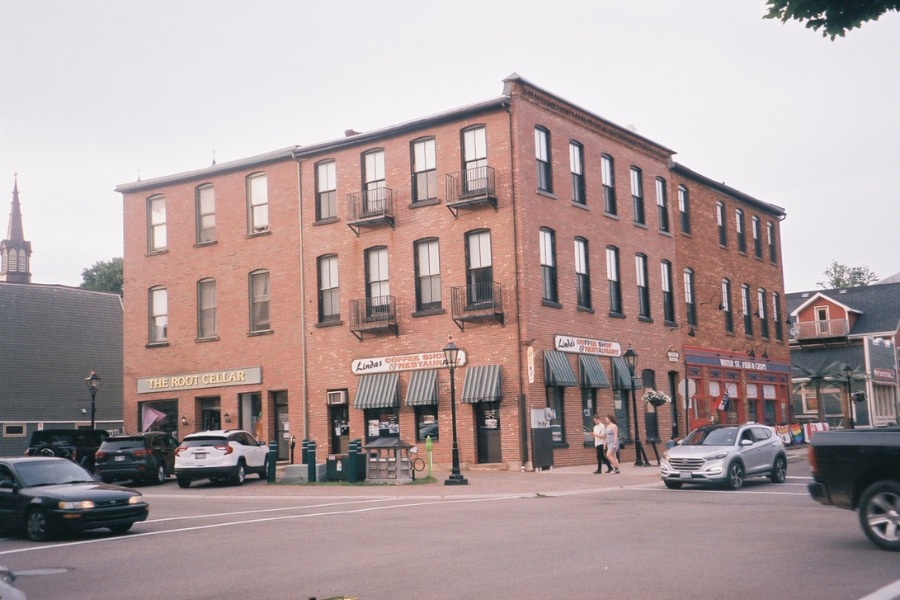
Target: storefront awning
{"type": "Point", "coordinates": [592, 375]}
{"type": "Point", "coordinates": [378, 390]}
{"type": "Point", "coordinates": [622, 375]}
{"type": "Point", "coordinates": [557, 372]}
{"type": "Point", "coordinates": [482, 384]}
{"type": "Point", "coordinates": [422, 390]}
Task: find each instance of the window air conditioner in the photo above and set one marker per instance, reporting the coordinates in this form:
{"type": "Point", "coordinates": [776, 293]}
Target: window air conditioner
{"type": "Point", "coordinates": [337, 397]}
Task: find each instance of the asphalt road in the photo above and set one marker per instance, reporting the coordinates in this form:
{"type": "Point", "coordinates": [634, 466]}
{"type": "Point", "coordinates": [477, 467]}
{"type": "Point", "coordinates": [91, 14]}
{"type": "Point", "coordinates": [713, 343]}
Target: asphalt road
{"type": "Point", "coordinates": [635, 541]}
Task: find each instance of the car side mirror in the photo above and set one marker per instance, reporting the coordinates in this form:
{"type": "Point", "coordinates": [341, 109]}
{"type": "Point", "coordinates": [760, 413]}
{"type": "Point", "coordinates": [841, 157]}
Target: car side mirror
{"type": "Point", "coordinates": [746, 442]}
{"type": "Point", "coordinates": [7, 485]}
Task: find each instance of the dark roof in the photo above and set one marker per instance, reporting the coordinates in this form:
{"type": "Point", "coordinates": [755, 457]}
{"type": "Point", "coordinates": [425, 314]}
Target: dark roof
{"type": "Point", "coordinates": [878, 305]}
{"type": "Point", "coordinates": [727, 190]}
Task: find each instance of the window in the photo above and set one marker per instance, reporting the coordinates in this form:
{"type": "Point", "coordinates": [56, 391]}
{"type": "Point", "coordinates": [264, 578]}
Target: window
{"type": "Point", "coordinates": [428, 275]}
{"type": "Point", "coordinates": [329, 289]}
{"type": "Point", "coordinates": [548, 265]}
{"type": "Point", "coordinates": [326, 191]}
{"type": "Point", "coordinates": [479, 269]}
{"type": "Point", "coordinates": [763, 318]}
{"type": "Point", "coordinates": [378, 290]}
{"type": "Point", "coordinates": [582, 274]}
{"type": "Point", "coordinates": [668, 299]}
{"type": "Point", "coordinates": [259, 301]}
{"type": "Point", "coordinates": [159, 315]}
{"type": "Point", "coordinates": [746, 305]}
{"type": "Point", "coordinates": [374, 195]}
{"type": "Point", "coordinates": [662, 204]}
{"type": "Point", "coordinates": [726, 306]}
{"type": "Point", "coordinates": [739, 227]}
{"type": "Point", "coordinates": [637, 195]}
{"type": "Point", "coordinates": [684, 209]}
{"type": "Point", "coordinates": [689, 302]}
{"type": "Point", "coordinates": [206, 308]}
{"type": "Point", "coordinates": [556, 403]}
{"type": "Point", "coordinates": [612, 276]}
{"type": "Point", "coordinates": [475, 160]}
{"type": "Point", "coordinates": [723, 226]}
{"type": "Point", "coordinates": [206, 214]}
{"type": "Point", "coordinates": [424, 168]}
{"type": "Point", "coordinates": [258, 202]}
{"type": "Point", "coordinates": [776, 316]}
{"type": "Point", "coordinates": [427, 423]}
{"type": "Point", "coordinates": [609, 184]}
{"type": "Point", "coordinates": [542, 154]}
{"type": "Point", "coordinates": [757, 236]}
{"type": "Point", "coordinates": [576, 166]}
{"type": "Point", "coordinates": [640, 270]}
{"type": "Point", "coordinates": [773, 252]}
{"type": "Point", "coordinates": [156, 222]}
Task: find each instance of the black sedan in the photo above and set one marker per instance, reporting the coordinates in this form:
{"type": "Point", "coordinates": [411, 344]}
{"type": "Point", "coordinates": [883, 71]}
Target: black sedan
{"type": "Point", "coordinates": [48, 496]}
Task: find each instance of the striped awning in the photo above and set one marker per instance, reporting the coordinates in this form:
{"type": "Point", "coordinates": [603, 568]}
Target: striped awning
{"type": "Point", "coordinates": [378, 390]}
{"type": "Point", "coordinates": [592, 375]}
{"type": "Point", "coordinates": [482, 384]}
{"type": "Point", "coordinates": [557, 372]}
{"type": "Point", "coordinates": [422, 388]}
{"type": "Point", "coordinates": [622, 375]}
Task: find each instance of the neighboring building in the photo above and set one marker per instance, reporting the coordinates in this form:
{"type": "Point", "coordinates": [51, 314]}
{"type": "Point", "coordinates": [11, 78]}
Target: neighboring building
{"type": "Point", "coordinates": [51, 337]}
{"type": "Point", "coordinates": [309, 292]}
{"type": "Point", "coordinates": [857, 327]}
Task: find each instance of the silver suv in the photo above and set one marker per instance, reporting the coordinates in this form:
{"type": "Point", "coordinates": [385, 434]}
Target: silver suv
{"type": "Point", "coordinates": [725, 455]}
{"type": "Point", "coordinates": [221, 455]}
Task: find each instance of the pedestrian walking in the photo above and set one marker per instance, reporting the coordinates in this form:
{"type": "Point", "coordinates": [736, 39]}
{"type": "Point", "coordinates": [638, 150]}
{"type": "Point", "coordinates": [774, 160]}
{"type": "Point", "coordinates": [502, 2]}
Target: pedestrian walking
{"type": "Point", "coordinates": [612, 442]}
{"type": "Point", "coordinates": [600, 445]}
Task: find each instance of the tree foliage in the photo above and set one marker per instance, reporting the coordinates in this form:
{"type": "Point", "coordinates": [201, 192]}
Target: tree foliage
{"type": "Point", "coordinates": [104, 276]}
{"type": "Point", "coordinates": [816, 377]}
{"type": "Point", "coordinates": [833, 17]}
{"type": "Point", "coordinates": [841, 276]}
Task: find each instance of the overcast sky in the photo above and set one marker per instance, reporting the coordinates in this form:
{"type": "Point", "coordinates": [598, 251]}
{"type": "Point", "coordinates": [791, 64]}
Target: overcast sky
{"type": "Point", "coordinates": [99, 93]}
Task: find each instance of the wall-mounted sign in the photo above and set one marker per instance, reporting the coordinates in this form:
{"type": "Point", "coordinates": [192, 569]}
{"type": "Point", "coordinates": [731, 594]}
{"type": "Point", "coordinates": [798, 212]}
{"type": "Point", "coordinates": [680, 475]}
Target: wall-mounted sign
{"type": "Point", "coordinates": [578, 345]}
{"type": "Point", "coordinates": [673, 355]}
{"type": "Point", "coordinates": [404, 362]}
{"type": "Point", "coordinates": [883, 374]}
{"type": "Point", "coordinates": [203, 379]}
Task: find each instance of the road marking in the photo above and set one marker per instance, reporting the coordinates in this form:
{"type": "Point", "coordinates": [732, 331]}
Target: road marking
{"type": "Point", "coordinates": [263, 510]}
{"type": "Point", "coordinates": [888, 592]}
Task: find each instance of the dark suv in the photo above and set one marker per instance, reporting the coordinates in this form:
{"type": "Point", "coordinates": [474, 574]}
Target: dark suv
{"type": "Point", "coordinates": [78, 445]}
{"type": "Point", "coordinates": [147, 457]}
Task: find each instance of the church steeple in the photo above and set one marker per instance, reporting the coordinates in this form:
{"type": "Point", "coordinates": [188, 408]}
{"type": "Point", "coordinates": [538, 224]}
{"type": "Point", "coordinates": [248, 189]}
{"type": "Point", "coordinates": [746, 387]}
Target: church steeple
{"type": "Point", "coordinates": [15, 252]}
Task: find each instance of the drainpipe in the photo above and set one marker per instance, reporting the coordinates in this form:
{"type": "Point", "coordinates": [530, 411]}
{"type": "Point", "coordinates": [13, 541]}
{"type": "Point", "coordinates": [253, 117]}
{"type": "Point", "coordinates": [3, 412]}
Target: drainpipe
{"type": "Point", "coordinates": [303, 353]}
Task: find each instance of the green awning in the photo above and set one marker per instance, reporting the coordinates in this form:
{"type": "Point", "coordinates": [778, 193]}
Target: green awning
{"type": "Point", "coordinates": [482, 384]}
{"type": "Point", "coordinates": [622, 375]}
{"type": "Point", "coordinates": [592, 375]}
{"type": "Point", "coordinates": [422, 390]}
{"type": "Point", "coordinates": [557, 372]}
{"type": "Point", "coordinates": [378, 390]}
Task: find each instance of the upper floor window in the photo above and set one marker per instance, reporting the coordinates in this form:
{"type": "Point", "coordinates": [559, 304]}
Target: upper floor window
{"type": "Point", "coordinates": [746, 306]}
{"type": "Point", "coordinates": [424, 168]}
{"type": "Point", "coordinates": [576, 167]}
{"type": "Point", "coordinates": [206, 308]}
{"type": "Point", "coordinates": [475, 160]}
{"type": "Point", "coordinates": [684, 209]}
{"type": "Point", "coordinates": [582, 274]}
{"type": "Point", "coordinates": [206, 213]}
{"type": "Point", "coordinates": [326, 190]}
{"type": "Point", "coordinates": [662, 204]}
{"type": "Point", "coordinates": [548, 265]}
{"type": "Point", "coordinates": [259, 301]}
{"type": "Point", "coordinates": [689, 301]}
{"type": "Point", "coordinates": [776, 316]}
{"type": "Point", "coordinates": [609, 184]}
{"type": "Point", "coordinates": [726, 306]}
{"type": "Point", "coordinates": [479, 267]}
{"type": "Point", "coordinates": [258, 202]}
{"type": "Point", "coordinates": [542, 155]}
{"type": "Point", "coordinates": [666, 285]}
{"type": "Point", "coordinates": [428, 274]}
{"type": "Point", "coordinates": [757, 236]}
{"type": "Point", "coordinates": [637, 195]}
{"type": "Point", "coordinates": [378, 288]}
{"type": "Point", "coordinates": [612, 277]}
{"type": "Point", "coordinates": [374, 194]}
{"type": "Point", "coordinates": [741, 233]}
{"type": "Point", "coordinates": [156, 223]}
{"type": "Point", "coordinates": [770, 232]}
{"type": "Point", "coordinates": [158, 315]}
{"type": "Point", "coordinates": [329, 289]}
{"type": "Point", "coordinates": [763, 317]}
{"type": "Point", "coordinates": [723, 226]}
{"type": "Point", "coordinates": [643, 289]}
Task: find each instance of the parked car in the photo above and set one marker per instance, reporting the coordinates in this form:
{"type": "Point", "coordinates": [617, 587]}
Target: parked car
{"type": "Point", "coordinates": [78, 445]}
{"type": "Point", "coordinates": [8, 589]}
{"type": "Point", "coordinates": [147, 457]}
{"type": "Point", "coordinates": [725, 455]}
{"type": "Point", "coordinates": [49, 495]}
{"type": "Point", "coordinates": [221, 455]}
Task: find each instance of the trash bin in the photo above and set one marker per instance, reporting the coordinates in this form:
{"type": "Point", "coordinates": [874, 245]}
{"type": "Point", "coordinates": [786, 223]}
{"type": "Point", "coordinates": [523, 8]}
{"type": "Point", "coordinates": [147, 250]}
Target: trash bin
{"type": "Point", "coordinates": [336, 467]}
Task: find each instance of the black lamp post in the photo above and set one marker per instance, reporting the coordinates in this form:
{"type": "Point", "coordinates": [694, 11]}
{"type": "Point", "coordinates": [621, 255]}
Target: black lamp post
{"type": "Point", "coordinates": [848, 373]}
{"type": "Point", "coordinates": [93, 382]}
{"type": "Point", "coordinates": [640, 459]}
{"type": "Point", "coordinates": [451, 354]}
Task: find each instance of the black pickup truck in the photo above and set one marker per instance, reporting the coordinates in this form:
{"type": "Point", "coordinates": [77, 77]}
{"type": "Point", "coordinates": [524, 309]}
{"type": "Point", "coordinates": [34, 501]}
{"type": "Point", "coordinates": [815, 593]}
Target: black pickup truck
{"type": "Point", "coordinates": [859, 469]}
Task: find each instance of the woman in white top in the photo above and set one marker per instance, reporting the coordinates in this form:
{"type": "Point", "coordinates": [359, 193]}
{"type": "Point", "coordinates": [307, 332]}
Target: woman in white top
{"type": "Point", "coordinates": [612, 442]}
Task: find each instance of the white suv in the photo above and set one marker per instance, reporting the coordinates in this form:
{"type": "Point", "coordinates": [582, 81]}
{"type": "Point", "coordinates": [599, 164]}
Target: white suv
{"type": "Point", "coordinates": [223, 455]}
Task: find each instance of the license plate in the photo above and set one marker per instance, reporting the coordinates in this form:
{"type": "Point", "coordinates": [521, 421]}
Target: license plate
{"type": "Point", "coordinates": [120, 458]}
{"type": "Point", "coordinates": [685, 474]}
{"type": "Point", "coordinates": [199, 455]}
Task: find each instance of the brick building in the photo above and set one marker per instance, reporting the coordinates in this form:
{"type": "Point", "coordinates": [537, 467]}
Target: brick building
{"type": "Point", "coordinates": [310, 291]}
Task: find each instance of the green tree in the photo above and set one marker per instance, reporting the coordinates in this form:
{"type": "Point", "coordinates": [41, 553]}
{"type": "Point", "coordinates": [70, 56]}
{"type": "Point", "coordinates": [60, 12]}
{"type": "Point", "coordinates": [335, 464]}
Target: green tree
{"type": "Point", "coordinates": [842, 276]}
{"type": "Point", "coordinates": [104, 276]}
{"type": "Point", "coordinates": [833, 17]}
{"type": "Point", "coordinates": [827, 372]}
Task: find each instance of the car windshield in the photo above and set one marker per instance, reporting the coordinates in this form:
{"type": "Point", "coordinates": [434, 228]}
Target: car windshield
{"type": "Point", "coordinates": [122, 444]}
{"type": "Point", "coordinates": [51, 472]}
{"type": "Point", "coordinates": [711, 437]}
{"type": "Point", "coordinates": [206, 440]}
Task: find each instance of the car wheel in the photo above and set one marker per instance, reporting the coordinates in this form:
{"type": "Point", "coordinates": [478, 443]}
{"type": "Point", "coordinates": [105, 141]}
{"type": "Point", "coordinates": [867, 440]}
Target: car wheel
{"type": "Point", "coordinates": [240, 474]}
{"type": "Point", "coordinates": [120, 529]}
{"type": "Point", "coordinates": [184, 482]}
{"type": "Point", "coordinates": [672, 485]}
{"type": "Point", "coordinates": [779, 470]}
{"type": "Point", "coordinates": [879, 514]}
{"type": "Point", "coordinates": [37, 528]}
{"type": "Point", "coordinates": [160, 475]}
{"type": "Point", "coordinates": [735, 476]}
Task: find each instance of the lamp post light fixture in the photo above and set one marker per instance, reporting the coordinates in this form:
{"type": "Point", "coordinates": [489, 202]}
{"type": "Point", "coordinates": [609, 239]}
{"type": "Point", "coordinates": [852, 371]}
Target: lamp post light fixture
{"type": "Point", "coordinates": [848, 373]}
{"type": "Point", "coordinates": [451, 354]}
{"type": "Point", "coordinates": [93, 382]}
{"type": "Point", "coordinates": [640, 459]}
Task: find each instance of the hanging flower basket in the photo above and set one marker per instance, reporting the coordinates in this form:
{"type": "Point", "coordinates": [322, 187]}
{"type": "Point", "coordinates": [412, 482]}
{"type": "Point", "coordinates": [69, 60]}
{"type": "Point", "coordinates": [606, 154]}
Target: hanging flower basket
{"type": "Point", "coordinates": [656, 398]}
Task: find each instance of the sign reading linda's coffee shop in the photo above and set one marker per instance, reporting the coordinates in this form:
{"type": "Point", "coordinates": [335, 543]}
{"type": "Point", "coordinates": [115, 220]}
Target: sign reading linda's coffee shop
{"type": "Point", "coordinates": [404, 362]}
{"type": "Point", "coordinates": [578, 345]}
{"type": "Point", "coordinates": [203, 379]}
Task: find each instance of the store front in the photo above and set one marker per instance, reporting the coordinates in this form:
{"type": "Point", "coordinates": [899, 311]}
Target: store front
{"type": "Point", "coordinates": [483, 390]}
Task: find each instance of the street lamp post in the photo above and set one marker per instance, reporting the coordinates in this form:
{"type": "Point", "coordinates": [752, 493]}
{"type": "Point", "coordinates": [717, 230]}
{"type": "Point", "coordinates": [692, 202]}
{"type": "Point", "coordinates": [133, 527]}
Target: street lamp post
{"type": "Point", "coordinates": [93, 382]}
{"type": "Point", "coordinates": [451, 354]}
{"type": "Point", "coordinates": [848, 373]}
{"type": "Point", "coordinates": [640, 458]}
